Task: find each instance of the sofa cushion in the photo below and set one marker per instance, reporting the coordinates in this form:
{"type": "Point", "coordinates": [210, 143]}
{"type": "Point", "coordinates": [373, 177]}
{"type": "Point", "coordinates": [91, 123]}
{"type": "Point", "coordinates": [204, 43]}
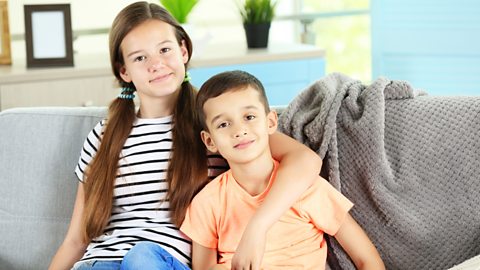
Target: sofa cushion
{"type": "Point", "coordinates": [39, 149]}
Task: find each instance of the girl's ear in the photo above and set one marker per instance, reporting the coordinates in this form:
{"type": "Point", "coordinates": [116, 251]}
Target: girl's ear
{"type": "Point", "coordinates": [207, 140]}
{"type": "Point", "coordinates": [272, 120]}
{"type": "Point", "coordinates": [183, 49]}
{"type": "Point", "coordinates": [125, 75]}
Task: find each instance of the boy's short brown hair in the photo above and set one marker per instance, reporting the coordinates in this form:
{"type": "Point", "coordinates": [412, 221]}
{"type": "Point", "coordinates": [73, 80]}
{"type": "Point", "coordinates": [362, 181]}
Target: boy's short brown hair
{"type": "Point", "coordinates": [225, 82]}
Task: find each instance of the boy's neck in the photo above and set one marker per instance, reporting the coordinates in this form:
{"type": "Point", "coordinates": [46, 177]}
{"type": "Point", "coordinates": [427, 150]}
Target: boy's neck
{"type": "Point", "coordinates": [254, 176]}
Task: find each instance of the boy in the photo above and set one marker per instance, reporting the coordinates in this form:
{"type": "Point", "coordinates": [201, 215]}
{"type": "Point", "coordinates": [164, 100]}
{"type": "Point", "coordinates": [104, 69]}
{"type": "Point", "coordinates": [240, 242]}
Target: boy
{"type": "Point", "coordinates": [236, 120]}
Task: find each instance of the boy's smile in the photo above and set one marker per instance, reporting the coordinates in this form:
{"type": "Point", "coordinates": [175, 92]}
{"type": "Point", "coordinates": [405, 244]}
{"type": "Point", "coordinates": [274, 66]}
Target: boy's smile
{"type": "Point", "coordinates": [244, 144]}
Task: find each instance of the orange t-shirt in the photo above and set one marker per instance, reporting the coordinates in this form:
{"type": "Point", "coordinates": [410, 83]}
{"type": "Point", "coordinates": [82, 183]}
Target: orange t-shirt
{"type": "Point", "coordinates": [220, 212]}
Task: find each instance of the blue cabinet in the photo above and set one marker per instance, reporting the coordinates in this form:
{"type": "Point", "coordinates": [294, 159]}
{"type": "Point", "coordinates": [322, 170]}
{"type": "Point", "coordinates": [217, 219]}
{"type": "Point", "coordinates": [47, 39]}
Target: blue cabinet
{"type": "Point", "coordinates": [283, 79]}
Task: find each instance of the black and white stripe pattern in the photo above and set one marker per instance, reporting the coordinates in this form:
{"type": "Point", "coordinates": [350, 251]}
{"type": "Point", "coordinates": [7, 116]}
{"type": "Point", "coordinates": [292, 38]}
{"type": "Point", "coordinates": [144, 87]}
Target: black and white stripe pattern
{"type": "Point", "coordinates": [140, 207]}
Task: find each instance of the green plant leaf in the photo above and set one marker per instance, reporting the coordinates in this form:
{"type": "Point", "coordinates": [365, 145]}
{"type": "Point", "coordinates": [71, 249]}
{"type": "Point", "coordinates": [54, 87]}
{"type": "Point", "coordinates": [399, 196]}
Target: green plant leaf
{"type": "Point", "coordinates": [257, 11]}
{"type": "Point", "coordinates": [179, 8]}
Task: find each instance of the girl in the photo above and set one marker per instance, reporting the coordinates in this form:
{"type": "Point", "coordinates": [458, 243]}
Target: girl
{"type": "Point", "coordinates": [139, 169]}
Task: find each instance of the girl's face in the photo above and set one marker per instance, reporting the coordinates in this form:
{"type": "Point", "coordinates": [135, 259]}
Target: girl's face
{"type": "Point", "coordinates": [154, 61]}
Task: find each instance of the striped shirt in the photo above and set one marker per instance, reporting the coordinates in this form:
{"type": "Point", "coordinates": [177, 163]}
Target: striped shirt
{"type": "Point", "coordinates": [140, 210]}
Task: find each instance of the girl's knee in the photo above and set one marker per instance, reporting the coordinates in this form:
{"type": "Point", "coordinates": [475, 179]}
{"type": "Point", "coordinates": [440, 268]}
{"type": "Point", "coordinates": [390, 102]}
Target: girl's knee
{"type": "Point", "coordinates": [144, 255]}
{"type": "Point", "coordinates": [143, 249]}
{"type": "Point", "coordinates": [138, 256]}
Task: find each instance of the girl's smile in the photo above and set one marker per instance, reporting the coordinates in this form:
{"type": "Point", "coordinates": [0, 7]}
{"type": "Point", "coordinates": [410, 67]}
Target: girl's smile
{"type": "Point", "coordinates": [162, 78]}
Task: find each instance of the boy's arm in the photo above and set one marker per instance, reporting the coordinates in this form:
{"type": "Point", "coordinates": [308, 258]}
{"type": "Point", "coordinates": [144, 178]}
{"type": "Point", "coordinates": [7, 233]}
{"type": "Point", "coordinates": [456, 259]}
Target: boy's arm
{"type": "Point", "coordinates": [204, 258]}
{"type": "Point", "coordinates": [358, 246]}
{"type": "Point", "coordinates": [299, 167]}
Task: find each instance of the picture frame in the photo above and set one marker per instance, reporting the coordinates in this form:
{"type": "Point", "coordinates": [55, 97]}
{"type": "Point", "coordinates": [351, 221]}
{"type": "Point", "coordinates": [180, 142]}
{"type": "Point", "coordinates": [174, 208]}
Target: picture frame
{"type": "Point", "coordinates": [5, 53]}
{"type": "Point", "coordinates": [48, 35]}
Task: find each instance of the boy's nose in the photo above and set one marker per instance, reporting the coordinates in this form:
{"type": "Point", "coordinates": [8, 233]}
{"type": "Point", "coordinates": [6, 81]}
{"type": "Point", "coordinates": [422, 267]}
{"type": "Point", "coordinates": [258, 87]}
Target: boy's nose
{"type": "Point", "coordinates": [241, 132]}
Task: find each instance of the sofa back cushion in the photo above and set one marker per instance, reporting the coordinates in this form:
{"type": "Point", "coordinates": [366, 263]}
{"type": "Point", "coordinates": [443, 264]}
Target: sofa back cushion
{"type": "Point", "coordinates": [39, 149]}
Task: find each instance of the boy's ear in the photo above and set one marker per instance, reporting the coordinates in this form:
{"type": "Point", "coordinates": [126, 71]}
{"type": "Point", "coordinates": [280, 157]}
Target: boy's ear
{"type": "Point", "coordinates": [272, 119]}
{"type": "Point", "coordinates": [207, 140]}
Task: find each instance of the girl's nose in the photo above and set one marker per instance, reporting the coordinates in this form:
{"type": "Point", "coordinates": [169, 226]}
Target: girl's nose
{"type": "Point", "coordinates": [155, 64]}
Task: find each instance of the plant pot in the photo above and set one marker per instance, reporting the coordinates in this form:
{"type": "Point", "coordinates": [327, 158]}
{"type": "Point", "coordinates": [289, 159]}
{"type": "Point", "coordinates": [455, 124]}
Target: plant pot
{"type": "Point", "coordinates": [257, 35]}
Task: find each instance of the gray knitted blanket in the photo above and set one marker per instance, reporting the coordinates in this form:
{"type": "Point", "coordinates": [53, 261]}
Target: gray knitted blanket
{"type": "Point", "coordinates": [409, 162]}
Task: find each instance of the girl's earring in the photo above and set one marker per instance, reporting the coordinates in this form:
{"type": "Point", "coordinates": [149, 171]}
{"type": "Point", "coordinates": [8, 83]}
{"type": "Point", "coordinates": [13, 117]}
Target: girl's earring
{"type": "Point", "coordinates": [187, 77]}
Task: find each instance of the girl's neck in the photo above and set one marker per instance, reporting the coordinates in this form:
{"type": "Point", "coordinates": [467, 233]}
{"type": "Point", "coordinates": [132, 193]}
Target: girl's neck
{"type": "Point", "coordinates": [254, 176]}
{"type": "Point", "coordinates": [155, 108]}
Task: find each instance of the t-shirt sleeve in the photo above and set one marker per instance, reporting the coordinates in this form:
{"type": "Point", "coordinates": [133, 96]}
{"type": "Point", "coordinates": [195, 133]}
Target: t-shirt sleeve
{"type": "Point", "coordinates": [89, 150]}
{"type": "Point", "coordinates": [200, 220]}
{"type": "Point", "coordinates": [326, 206]}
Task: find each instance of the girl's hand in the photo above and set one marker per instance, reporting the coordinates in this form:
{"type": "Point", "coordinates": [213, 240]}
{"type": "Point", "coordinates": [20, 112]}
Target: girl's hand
{"type": "Point", "coordinates": [249, 253]}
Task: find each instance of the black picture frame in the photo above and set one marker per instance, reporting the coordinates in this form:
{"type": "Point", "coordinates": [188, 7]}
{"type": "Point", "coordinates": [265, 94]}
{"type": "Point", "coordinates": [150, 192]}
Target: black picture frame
{"type": "Point", "coordinates": [48, 35]}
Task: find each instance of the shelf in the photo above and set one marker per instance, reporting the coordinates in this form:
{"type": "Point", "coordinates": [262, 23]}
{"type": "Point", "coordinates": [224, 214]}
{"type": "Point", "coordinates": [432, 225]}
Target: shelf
{"type": "Point", "coordinates": [215, 55]}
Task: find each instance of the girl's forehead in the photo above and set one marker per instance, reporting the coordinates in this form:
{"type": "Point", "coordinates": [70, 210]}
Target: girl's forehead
{"type": "Point", "coordinates": [148, 32]}
{"type": "Point", "coordinates": [152, 27]}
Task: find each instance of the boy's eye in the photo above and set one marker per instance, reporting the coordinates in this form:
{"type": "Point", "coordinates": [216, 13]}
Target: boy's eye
{"type": "Point", "coordinates": [223, 125]}
{"type": "Point", "coordinates": [250, 117]}
{"type": "Point", "coordinates": [140, 58]}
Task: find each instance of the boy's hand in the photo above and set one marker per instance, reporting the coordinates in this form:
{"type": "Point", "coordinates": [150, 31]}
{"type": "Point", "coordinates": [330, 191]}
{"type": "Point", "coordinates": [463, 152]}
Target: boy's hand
{"type": "Point", "coordinates": [249, 253]}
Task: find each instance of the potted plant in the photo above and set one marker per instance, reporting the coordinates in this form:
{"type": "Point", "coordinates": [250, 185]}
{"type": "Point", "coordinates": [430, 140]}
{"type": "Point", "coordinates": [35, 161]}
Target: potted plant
{"type": "Point", "coordinates": [179, 8]}
{"type": "Point", "coordinates": [257, 16]}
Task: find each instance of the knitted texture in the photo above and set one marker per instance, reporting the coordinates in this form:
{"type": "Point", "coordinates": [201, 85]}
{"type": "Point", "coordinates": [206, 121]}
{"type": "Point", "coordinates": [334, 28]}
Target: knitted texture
{"type": "Point", "coordinates": [409, 162]}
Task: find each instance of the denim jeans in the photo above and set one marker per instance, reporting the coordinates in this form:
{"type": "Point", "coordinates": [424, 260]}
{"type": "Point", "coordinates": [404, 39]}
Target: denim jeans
{"type": "Point", "coordinates": [144, 255]}
{"type": "Point", "coordinates": [98, 265]}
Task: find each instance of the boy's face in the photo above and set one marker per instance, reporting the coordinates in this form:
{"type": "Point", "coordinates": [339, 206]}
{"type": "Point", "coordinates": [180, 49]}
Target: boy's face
{"type": "Point", "coordinates": [238, 127]}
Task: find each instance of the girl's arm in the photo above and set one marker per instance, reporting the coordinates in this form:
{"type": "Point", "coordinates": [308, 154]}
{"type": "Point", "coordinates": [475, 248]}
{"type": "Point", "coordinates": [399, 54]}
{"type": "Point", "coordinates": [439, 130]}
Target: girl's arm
{"type": "Point", "coordinates": [73, 246]}
{"type": "Point", "coordinates": [299, 167]}
{"type": "Point", "coordinates": [204, 258]}
{"type": "Point", "coordinates": [358, 246]}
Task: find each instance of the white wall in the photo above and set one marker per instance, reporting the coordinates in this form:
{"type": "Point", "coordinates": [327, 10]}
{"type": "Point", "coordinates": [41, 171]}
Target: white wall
{"type": "Point", "coordinates": [217, 19]}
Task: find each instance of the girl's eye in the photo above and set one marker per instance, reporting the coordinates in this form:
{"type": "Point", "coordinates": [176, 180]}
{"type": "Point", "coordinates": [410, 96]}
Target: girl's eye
{"type": "Point", "coordinates": [140, 58]}
{"type": "Point", "coordinates": [164, 50]}
{"type": "Point", "coordinates": [250, 117]}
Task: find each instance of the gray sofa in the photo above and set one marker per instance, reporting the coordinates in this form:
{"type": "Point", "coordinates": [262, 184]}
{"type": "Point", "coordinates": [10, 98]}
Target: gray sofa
{"type": "Point", "coordinates": [39, 148]}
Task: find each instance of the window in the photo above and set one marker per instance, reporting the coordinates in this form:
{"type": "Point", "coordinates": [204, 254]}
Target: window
{"type": "Point", "coordinates": [342, 28]}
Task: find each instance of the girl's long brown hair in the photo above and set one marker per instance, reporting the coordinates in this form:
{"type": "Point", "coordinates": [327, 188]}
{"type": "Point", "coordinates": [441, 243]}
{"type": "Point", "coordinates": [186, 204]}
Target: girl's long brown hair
{"type": "Point", "coordinates": [187, 168]}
